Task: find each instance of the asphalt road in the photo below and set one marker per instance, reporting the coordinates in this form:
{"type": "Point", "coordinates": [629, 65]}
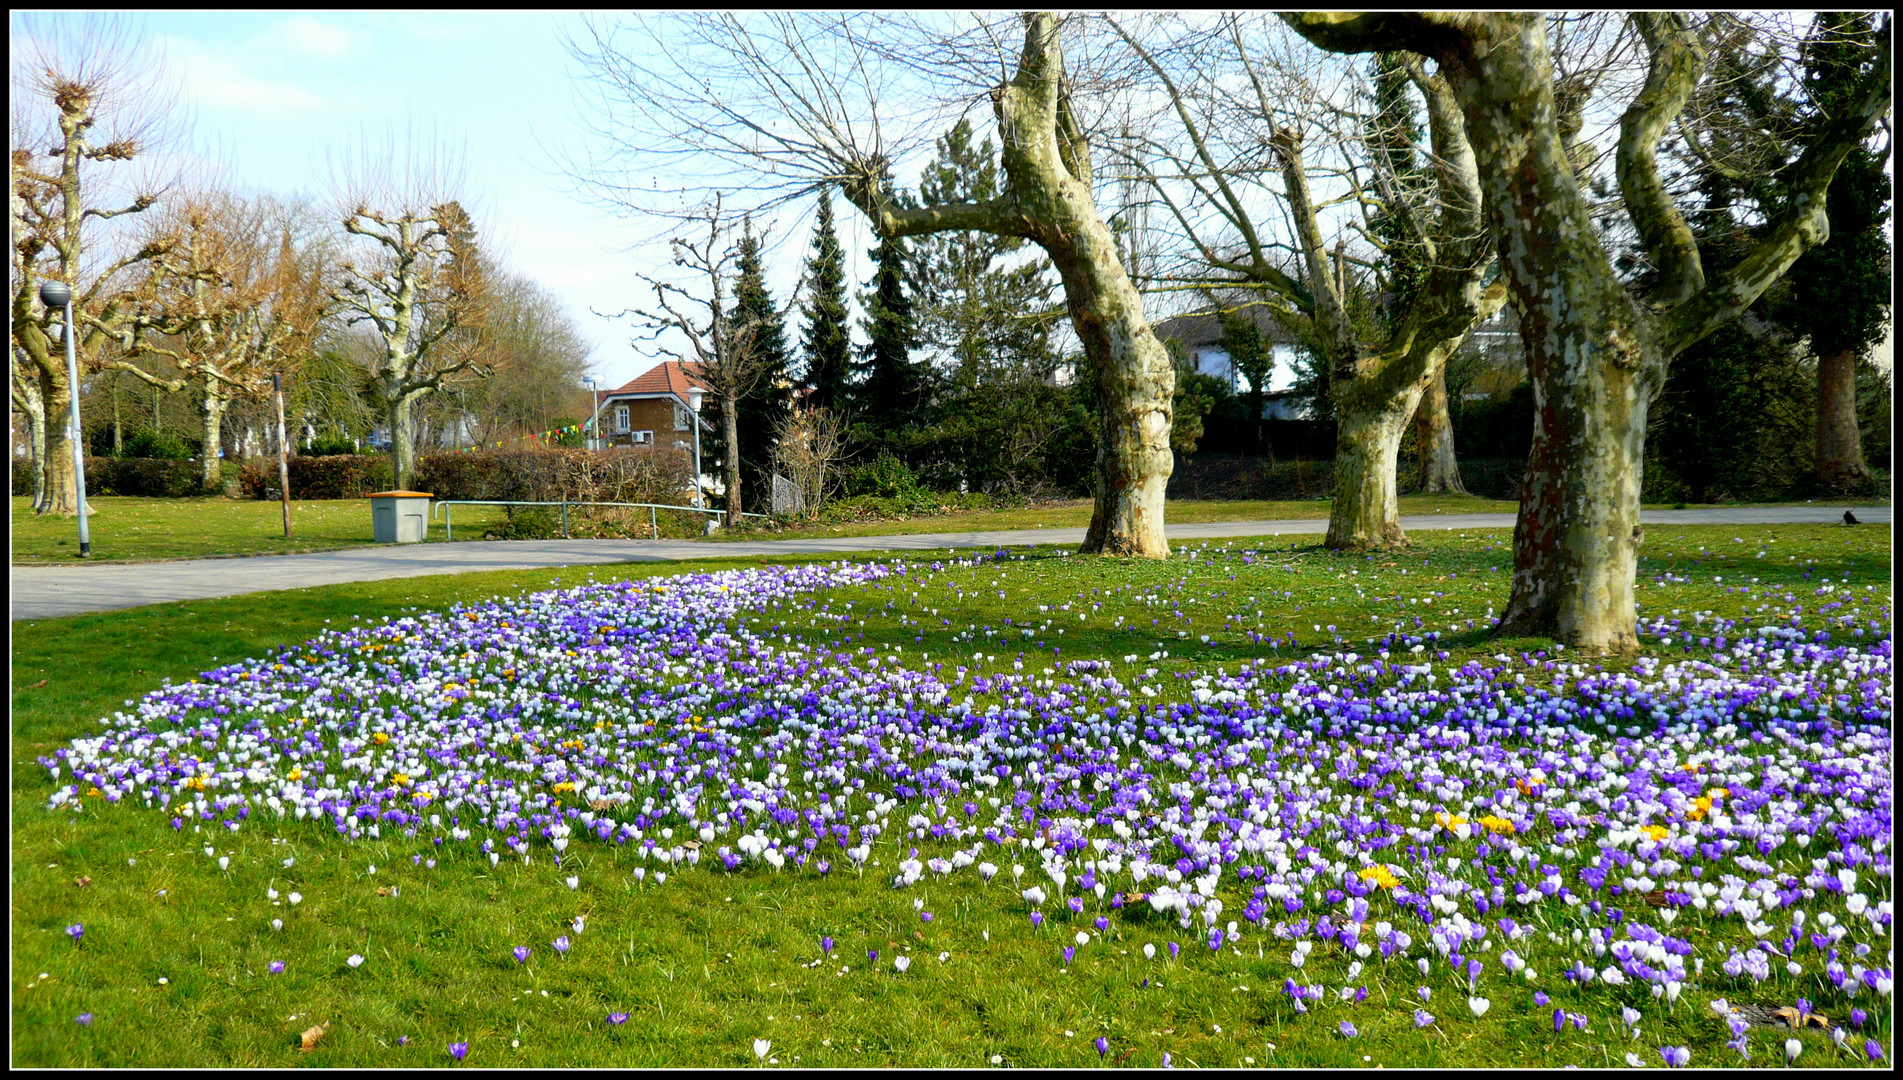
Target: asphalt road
{"type": "Point", "coordinates": [44, 592]}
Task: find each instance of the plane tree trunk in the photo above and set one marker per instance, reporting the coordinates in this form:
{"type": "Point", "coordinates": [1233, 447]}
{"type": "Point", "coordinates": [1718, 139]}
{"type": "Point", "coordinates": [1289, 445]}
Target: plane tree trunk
{"type": "Point", "coordinates": [1048, 201]}
{"type": "Point", "coordinates": [1434, 438]}
{"type": "Point", "coordinates": [1596, 354]}
{"type": "Point", "coordinates": [1840, 461]}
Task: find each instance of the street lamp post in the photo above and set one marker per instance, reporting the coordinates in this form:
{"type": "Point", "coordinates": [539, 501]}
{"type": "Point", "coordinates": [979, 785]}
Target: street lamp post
{"type": "Point", "coordinates": [693, 405]}
{"type": "Point", "coordinates": [60, 295]}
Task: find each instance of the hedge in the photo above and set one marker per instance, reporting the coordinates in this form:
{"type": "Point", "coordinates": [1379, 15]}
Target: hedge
{"type": "Point", "coordinates": [333, 476]}
{"type": "Point", "coordinates": [658, 475]}
{"type": "Point", "coordinates": [150, 477]}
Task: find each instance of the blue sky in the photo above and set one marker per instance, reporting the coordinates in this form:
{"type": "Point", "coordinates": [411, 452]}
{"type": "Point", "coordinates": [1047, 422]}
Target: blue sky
{"type": "Point", "coordinates": [274, 97]}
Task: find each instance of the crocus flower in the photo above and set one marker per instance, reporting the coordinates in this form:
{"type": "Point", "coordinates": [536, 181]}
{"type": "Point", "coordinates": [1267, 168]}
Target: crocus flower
{"type": "Point", "coordinates": [901, 963]}
{"type": "Point", "coordinates": [1069, 952]}
{"type": "Point", "coordinates": [1675, 1056]}
{"type": "Point", "coordinates": [561, 944]}
{"type": "Point", "coordinates": [1103, 1047]}
{"type": "Point", "coordinates": [403, 1040]}
{"type": "Point", "coordinates": [1792, 1048]}
{"type": "Point", "coordinates": [1422, 1018]}
{"type": "Point", "coordinates": [84, 1019]}
{"type": "Point", "coordinates": [521, 954]}
{"type": "Point", "coordinates": [75, 931]}
{"type": "Point", "coordinates": [826, 945]}
{"type": "Point", "coordinates": [1871, 1049]}
{"type": "Point", "coordinates": [1540, 998]}
{"type": "Point", "coordinates": [1559, 1021]}
{"type": "Point", "coordinates": [617, 1018]}
{"type": "Point", "coordinates": [354, 960]}
{"type": "Point", "coordinates": [1037, 918]}
{"type": "Point", "coordinates": [925, 916]}
{"type": "Point", "coordinates": [872, 956]}
{"type": "Point", "coordinates": [276, 968]}
{"type": "Point", "coordinates": [1174, 949]}
{"type": "Point", "coordinates": [1348, 1029]}
{"type": "Point", "coordinates": [458, 1050]}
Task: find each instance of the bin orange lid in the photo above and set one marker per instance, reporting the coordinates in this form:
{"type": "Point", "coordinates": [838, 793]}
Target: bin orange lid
{"type": "Point", "coordinates": [411, 494]}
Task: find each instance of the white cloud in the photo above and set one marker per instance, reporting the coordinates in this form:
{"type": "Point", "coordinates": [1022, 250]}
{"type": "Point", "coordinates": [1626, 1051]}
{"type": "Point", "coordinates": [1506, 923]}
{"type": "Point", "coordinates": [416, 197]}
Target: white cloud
{"type": "Point", "coordinates": [306, 36]}
{"type": "Point", "coordinates": [217, 80]}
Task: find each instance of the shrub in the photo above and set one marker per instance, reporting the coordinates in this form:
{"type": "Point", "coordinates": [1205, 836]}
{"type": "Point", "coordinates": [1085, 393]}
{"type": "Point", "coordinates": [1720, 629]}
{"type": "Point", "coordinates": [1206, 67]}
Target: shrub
{"type": "Point", "coordinates": [327, 447]}
{"type": "Point", "coordinates": [885, 477]}
{"type": "Point", "coordinates": [335, 476]}
{"type": "Point", "coordinates": [657, 475]}
{"type": "Point", "coordinates": [159, 445]}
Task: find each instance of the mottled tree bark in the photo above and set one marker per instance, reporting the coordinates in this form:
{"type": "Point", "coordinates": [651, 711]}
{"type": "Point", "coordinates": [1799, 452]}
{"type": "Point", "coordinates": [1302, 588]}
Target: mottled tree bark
{"type": "Point", "coordinates": [1434, 439]}
{"type": "Point", "coordinates": [1048, 201]}
{"type": "Point", "coordinates": [211, 416]}
{"type": "Point", "coordinates": [1596, 354]}
{"type": "Point", "coordinates": [1839, 461]}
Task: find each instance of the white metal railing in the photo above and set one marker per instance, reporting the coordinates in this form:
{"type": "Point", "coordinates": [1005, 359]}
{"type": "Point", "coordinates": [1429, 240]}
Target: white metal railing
{"type": "Point", "coordinates": [653, 509]}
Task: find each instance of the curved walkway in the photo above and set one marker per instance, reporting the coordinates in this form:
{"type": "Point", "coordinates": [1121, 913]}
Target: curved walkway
{"type": "Point", "coordinates": [44, 592]}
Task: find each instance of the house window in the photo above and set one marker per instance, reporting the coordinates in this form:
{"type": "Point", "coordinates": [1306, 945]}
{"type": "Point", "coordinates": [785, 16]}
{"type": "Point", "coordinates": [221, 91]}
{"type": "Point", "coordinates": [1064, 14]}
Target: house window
{"type": "Point", "coordinates": [621, 419]}
{"type": "Point", "coordinates": [680, 418]}
{"type": "Point", "coordinates": [643, 438]}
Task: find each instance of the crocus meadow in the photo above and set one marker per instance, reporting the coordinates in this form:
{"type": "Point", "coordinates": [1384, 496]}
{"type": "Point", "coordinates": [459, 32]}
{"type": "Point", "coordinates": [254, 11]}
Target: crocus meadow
{"type": "Point", "coordinates": [1719, 823]}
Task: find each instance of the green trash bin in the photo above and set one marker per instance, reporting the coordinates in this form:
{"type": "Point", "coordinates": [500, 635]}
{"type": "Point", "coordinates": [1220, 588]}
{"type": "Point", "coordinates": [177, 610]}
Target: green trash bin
{"type": "Point", "coordinates": [400, 517]}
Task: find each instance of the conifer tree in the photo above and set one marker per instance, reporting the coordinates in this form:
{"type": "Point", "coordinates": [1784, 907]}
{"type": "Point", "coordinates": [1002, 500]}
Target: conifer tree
{"type": "Point", "coordinates": [827, 343]}
{"type": "Point", "coordinates": [973, 313]}
{"type": "Point", "coordinates": [890, 390]}
{"type": "Point", "coordinates": [760, 412]}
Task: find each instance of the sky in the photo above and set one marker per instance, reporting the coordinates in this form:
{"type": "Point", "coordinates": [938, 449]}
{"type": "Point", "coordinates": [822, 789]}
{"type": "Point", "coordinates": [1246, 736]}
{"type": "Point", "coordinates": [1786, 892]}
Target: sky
{"type": "Point", "coordinates": [274, 98]}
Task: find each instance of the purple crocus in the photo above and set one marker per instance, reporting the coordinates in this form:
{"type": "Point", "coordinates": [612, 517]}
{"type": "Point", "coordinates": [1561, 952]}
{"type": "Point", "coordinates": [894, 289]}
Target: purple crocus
{"type": "Point", "coordinates": [1348, 1029]}
{"type": "Point", "coordinates": [1174, 949]}
{"type": "Point", "coordinates": [1874, 1051]}
{"type": "Point", "coordinates": [1422, 1018]}
{"type": "Point", "coordinates": [1540, 998]}
{"type": "Point", "coordinates": [459, 1050]}
{"type": "Point", "coordinates": [1037, 918]}
{"type": "Point", "coordinates": [84, 1019]}
{"type": "Point", "coordinates": [403, 1040]}
{"type": "Point", "coordinates": [925, 916]}
{"type": "Point", "coordinates": [75, 931]}
{"type": "Point", "coordinates": [872, 956]}
{"type": "Point", "coordinates": [1101, 924]}
{"type": "Point", "coordinates": [1103, 1047]}
{"type": "Point", "coordinates": [1559, 1021]}
{"type": "Point", "coordinates": [561, 944]}
{"type": "Point", "coordinates": [1473, 973]}
{"type": "Point", "coordinates": [276, 967]}
{"type": "Point", "coordinates": [1675, 1056]}
{"type": "Point", "coordinates": [617, 1019]}
{"type": "Point", "coordinates": [826, 945]}
{"type": "Point", "coordinates": [1069, 951]}
{"type": "Point", "coordinates": [521, 954]}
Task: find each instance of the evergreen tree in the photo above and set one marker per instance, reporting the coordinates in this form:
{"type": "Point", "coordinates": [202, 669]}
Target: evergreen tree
{"type": "Point", "coordinates": [827, 343]}
{"type": "Point", "coordinates": [982, 321]}
{"type": "Point", "coordinates": [1252, 356]}
{"type": "Point", "coordinates": [890, 388]}
{"type": "Point", "coordinates": [761, 411]}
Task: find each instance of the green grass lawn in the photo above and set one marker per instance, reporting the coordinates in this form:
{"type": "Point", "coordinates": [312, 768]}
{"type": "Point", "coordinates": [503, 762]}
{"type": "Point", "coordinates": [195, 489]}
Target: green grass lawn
{"type": "Point", "coordinates": [711, 961]}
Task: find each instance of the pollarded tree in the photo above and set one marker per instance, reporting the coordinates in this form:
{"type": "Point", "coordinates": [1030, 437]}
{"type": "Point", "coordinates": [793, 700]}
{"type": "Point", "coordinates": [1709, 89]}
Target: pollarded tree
{"type": "Point", "coordinates": [419, 286]}
{"type": "Point", "coordinates": [1211, 177]}
{"type": "Point", "coordinates": [801, 102]}
{"type": "Point", "coordinates": [1596, 352]}
{"type": "Point", "coordinates": [84, 95]}
{"type": "Point", "coordinates": [235, 297]}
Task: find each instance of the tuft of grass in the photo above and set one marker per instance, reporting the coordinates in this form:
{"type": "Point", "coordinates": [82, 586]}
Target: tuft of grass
{"type": "Point", "coordinates": [709, 961]}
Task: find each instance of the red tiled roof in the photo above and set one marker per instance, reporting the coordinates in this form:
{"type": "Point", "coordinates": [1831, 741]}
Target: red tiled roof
{"type": "Point", "coordinates": [667, 377]}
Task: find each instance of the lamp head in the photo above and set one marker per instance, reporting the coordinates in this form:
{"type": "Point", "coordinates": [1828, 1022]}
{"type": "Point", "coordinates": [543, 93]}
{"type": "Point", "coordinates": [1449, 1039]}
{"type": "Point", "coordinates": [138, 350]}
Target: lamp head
{"type": "Point", "coordinates": [56, 293]}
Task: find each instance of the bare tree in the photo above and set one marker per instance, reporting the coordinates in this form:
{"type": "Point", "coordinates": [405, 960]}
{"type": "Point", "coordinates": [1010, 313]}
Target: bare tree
{"type": "Point", "coordinates": [84, 94]}
{"type": "Point", "coordinates": [808, 443]}
{"type": "Point", "coordinates": [1211, 169]}
{"type": "Point", "coordinates": [804, 101]}
{"type": "Point", "coordinates": [235, 297]}
{"type": "Point", "coordinates": [419, 285]}
{"type": "Point", "coordinates": [720, 355]}
{"type": "Point", "coordinates": [538, 357]}
{"type": "Point", "coordinates": [1597, 351]}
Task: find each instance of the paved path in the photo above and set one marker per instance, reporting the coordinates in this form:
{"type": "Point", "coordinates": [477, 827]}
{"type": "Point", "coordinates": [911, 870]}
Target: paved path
{"type": "Point", "coordinates": [44, 592]}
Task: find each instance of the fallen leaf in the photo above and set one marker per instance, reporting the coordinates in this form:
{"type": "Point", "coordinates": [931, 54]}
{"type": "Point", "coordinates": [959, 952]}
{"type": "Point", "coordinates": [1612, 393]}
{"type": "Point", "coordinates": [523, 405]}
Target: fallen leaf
{"type": "Point", "coordinates": [606, 804]}
{"type": "Point", "coordinates": [383, 890]}
{"type": "Point", "coordinates": [1656, 898]}
{"type": "Point", "coordinates": [37, 685]}
{"type": "Point", "coordinates": [311, 1035]}
{"type": "Point", "coordinates": [82, 882]}
{"type": "Point", "coordinates": [692, 845]}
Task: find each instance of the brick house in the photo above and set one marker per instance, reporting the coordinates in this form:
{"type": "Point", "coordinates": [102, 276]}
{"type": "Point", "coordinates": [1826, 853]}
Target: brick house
{"type": "Point", "coordinates": [658, 408]}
